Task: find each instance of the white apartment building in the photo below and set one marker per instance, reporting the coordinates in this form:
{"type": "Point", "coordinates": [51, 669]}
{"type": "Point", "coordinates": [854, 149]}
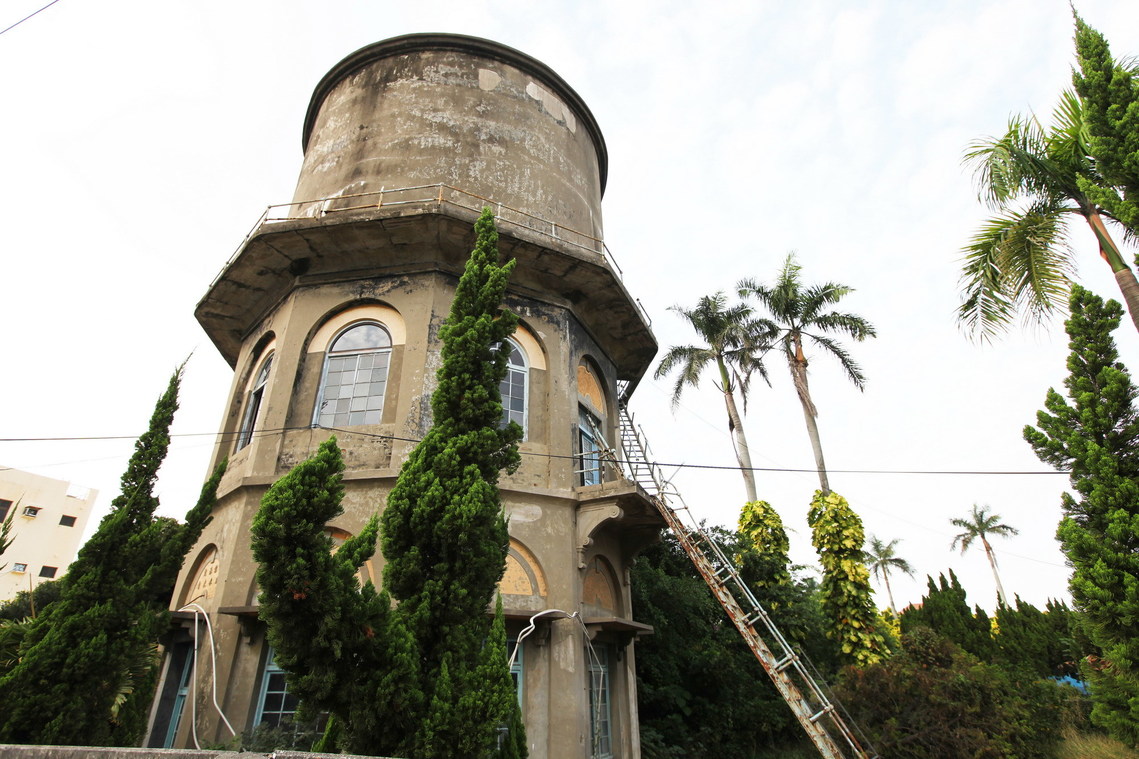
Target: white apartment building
{"type": "Point", "coordinates": [48, 519]}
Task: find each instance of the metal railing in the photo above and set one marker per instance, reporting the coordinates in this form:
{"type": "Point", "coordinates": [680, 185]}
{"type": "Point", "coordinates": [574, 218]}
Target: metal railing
{"type": "Point", "coordinates": [428, 194]}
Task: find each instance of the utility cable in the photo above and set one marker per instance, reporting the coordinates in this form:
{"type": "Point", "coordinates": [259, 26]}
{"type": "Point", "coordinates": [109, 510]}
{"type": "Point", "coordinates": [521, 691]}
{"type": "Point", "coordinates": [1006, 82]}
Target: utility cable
{"type": "Point", "coordinates": [25, 18]}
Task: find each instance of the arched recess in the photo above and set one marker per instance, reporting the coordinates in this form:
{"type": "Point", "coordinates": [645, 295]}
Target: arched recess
{"type": "Point", "coordinates": [535, 354]}
{"type": "Point", "coordinates": [391, 319]}
{"type": "Point", "coordinates": [523, 584]}
{"type": "Point", "coordinates": [600, 593]}
{"type": "Point", "coordinates": [590, 391]}
{"type": "Point", "coordinates": [592, 426]}
{"type": "Point", "coordinates": [202, 581]}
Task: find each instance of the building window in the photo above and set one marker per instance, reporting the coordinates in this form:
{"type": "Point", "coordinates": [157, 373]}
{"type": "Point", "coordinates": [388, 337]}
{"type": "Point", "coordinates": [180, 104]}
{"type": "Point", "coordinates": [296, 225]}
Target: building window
{"type": "Point", "coordinates": [67, 521]}
{"type": "Point", "coordinates": [276, 705]}
{"type": "Point", "coordinates": [5, 507]}
{"type": "Point", "coordinates": [514, 387]}
{"type": "Point", "coordinates": [589, 447]}
{"type": "Point", "coordinates": [355, 377]}
{"type": "Point", "coordinates": [18, 567]}
{"type": "Point", "coordinates": [183, 652]}
{"type": "Point", "coordinates": [32, 511]}
{"type": "Point", "coordinates": [48, 572]}
{"type": "Point", "coordinates": [600, 718]}
{"type": "Point", "coordinates": [253, 405]}
{"type": "Point", "coordinates": [514, 656]}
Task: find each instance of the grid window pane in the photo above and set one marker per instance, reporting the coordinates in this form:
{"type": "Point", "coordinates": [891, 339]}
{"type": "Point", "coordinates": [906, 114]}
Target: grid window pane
{"type": "Point", "coordinates": [513, 388]}
{"type": "Point", "coordinates": [600, 722]}
{"type": "Point", "coordinates": [277, 704]}
{"type": "Point", "coordinates": [354, 382]}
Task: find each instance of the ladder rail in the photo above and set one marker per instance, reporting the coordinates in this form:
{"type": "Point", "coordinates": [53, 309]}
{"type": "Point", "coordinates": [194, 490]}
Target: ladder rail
{"type": "Point", "coordinates": [809, 702]}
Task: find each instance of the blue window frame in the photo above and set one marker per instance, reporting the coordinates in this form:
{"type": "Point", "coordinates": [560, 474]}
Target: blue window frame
{"type": "Point", "coordinates": [600, 715]}
{"type": "Point", "coordinates": [253, 404]}
{"type": "Point", "coordinates": [276, 704]}
{"type": "Point", "coordinates": [589, 447]}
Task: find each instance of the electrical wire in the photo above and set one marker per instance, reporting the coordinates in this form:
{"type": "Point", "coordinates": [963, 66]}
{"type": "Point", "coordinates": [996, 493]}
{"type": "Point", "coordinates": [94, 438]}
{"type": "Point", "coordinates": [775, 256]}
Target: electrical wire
{"type": "Point", "coordinates": [200, 612]}
{"type": "Point", "coordinates": [25, 18]}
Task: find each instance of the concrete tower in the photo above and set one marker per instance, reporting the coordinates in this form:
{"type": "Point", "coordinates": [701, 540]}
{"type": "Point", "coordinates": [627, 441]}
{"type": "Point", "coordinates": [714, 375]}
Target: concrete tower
{"type": "Point", "coordinates": [328, 314]}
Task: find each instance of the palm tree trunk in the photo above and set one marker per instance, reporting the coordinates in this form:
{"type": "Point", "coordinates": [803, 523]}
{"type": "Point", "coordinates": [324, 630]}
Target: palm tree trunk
{"type": "Point", "coordinates": [798, 363]}
{"type": "Point", "coordinates": [743, 455]}
{"type": "Point", "coordinates": [993, 563]}
{"type": "Point", "coordinates": [1124, 276]}
{"type": "Point", "coordinates": [889, 593]}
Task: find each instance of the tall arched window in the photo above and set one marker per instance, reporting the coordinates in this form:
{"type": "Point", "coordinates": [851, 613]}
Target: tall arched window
{"type": "Point", "coordinates": [355, 376]}
{"type": "Point", "coordinates": [515, 386]}
{"type": "Point", "coordinates": [253, 404]}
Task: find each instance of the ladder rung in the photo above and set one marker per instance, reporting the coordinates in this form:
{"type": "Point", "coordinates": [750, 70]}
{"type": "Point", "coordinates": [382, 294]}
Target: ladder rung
{"type": "Point", "coordinates": [786, 662]}
{"type": "Point", "coordinates": [822, 712]}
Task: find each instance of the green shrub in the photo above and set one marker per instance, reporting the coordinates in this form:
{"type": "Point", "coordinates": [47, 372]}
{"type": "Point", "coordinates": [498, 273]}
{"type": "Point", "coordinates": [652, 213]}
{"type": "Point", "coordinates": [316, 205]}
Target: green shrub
{"type": "Point", "coordinates": [933, 700]}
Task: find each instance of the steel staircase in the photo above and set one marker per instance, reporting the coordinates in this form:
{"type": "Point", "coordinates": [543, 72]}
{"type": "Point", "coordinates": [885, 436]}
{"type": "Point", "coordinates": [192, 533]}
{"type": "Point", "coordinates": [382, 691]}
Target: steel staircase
{"type": "Point", "coordinates": [820, 718]}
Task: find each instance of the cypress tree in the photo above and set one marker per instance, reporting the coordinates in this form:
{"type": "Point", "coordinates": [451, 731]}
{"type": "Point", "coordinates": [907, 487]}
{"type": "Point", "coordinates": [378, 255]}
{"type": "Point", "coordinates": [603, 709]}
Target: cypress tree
{"type": "Point", "coordinates": [944, 610]}
{"type": "Point", "coordinates": [72, 684]}
{"type": "Point", "coordinates": [1095, 434]}
{"type": "Point", "coordinates": [337, 641]}
{"type": "Point", "coordinates": [837, 535]}
{"type": "Point", "coordinates": [1110, 94]}
{"type": "Point", "coordinates": [444, 534]}
{"type": "Point", "coordinates": [428, 678]}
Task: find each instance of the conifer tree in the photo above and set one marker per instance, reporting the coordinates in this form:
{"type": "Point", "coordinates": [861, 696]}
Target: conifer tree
{"type": "Point", "coordinates": [1095, 434]}
{"type": "Point", "coordinates": [1110, 94]}
{"type": "Point", "coordinates": [428, 678]}
{"type": "Point", "coordinates": [71, 684]}
{"type": "Point", "coordinates": [338, 642]}
{"type": "Point", "coordinates": [444, 534]}
{"type": "Point", "coordinates": [945, 610]}
{"type": "Point", "coordinates": [837, 536]}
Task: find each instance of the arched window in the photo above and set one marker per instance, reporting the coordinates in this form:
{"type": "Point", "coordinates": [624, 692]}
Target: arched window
{"type": "Point", "coordinates": [253, 404]}
{"type": "Point", "coordinates": [515, 386]}
{"type": "Point", "coordinates": [355, 376]}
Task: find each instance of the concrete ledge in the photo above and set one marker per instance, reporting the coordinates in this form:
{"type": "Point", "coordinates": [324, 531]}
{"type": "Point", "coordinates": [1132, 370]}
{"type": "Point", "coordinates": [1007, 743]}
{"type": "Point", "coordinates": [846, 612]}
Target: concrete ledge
{"type": "Point", "coordinates": [88, 752]}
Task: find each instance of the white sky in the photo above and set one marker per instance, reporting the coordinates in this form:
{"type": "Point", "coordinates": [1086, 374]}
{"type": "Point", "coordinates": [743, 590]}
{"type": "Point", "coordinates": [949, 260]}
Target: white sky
{"type": "Point", "coordinates": [142, 139]}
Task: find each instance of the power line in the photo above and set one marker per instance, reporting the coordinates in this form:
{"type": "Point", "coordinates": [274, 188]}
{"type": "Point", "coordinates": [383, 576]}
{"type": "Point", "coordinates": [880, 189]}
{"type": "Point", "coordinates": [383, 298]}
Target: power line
{"type": "Point", "coordinates": [25, 18]}
{"type": "Point", "coordinates": [661, 464]}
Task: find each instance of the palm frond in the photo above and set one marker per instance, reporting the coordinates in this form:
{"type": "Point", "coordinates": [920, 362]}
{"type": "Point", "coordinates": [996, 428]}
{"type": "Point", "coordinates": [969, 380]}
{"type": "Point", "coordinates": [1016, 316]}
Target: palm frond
{"type": "Point", "coordinates": [833, 348]}
{"type": "Point", "coordinates": [853, 325]}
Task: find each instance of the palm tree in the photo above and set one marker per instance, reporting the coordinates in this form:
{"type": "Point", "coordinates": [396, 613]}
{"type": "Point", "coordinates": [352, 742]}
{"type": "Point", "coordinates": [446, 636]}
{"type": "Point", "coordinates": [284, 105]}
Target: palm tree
{"type": "Point", "coordinates": [882, 558]}
{"type": "Point", "coordinates": [798, 313]}
{"type": "Point", "coordinates": [981, 524]}
{"type": "Point", "coordinates": [1020, 259]}
{"type": "Point", "coordinates": [735, 346]}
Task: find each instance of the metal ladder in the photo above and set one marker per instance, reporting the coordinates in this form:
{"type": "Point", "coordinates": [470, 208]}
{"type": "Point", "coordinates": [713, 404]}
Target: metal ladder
{"type": "Point", "coordinates": [820, 718]}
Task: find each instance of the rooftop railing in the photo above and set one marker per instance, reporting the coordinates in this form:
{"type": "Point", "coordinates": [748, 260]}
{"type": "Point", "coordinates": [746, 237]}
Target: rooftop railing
{"type": "Point", "coordinates": [428, 194]}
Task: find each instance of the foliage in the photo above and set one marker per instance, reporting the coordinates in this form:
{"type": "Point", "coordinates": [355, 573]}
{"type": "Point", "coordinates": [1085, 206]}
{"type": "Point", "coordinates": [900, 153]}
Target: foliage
{"type": "Point", "coordinates": [700, 690]}
{"type": "Point", "coordinates": [429, 677]}
{"type": "Point", "coordinates": [1095, 435]}
{"type": "Point", "coordinates": [27, 604]}
{"type": "Point", "coordinates": [6, 536]}
{"type": "Point", "coordinates": [931, 699]}
{"type": "Point", "coordinates": [1027, 639]}
{"type": "Point", "coordinates": [444, 534]}
{"type": "Point", "coordinates": [1077, 745]}
{"type": "Point", "coordinates": [979, 526]}
{"type": "Point", "coordinates": [882, 558]}
{"type": "Point", "coordinates": [1110, 94]}
{"type": "Point", "coordinates": [797, 314]}
{"type": "Point", "coordinates": [767, 545]}
{"type": "Point", "coordinates": [68, 685]}
{"type": "Point", "coordinates": [1020, 260]}
{"type": "Point", "coordinates": [735, 346]}
{"type": "Point", "coordinates": [836, 534]}
{"type": "Point", "coordinates": [944, 610]}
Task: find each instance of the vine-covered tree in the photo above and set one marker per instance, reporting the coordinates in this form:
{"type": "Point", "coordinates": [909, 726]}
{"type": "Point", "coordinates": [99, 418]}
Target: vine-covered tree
{"type": "Point", "coordinates": [768, 546]}
{"type": "Point", "coordinates": [444, 534]}
{"type": "Point", "coordinates": [1094, 434]}
{"type": "Point", "coordinates": [72, 684]}
{"type": "Point", "coordinates": [799, 314]}
{"type": "Point", "coordinates": [837, 535]}
{"type": "Point", "coordinates": [1110, 93]}
{"type": "Point", "coordinates": [735, 346]}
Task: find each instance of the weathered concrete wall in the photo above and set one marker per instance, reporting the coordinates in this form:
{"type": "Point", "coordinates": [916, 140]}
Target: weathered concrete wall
{"type": "Point", "coordinates": [425, 108]}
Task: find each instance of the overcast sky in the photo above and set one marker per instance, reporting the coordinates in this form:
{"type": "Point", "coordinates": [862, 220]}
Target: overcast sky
{"type": "Point", "coordinates": [141, 140]}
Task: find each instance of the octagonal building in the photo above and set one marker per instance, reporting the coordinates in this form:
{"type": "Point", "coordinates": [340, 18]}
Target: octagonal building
{"type": "Point", "coordinates": [329, 314]}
